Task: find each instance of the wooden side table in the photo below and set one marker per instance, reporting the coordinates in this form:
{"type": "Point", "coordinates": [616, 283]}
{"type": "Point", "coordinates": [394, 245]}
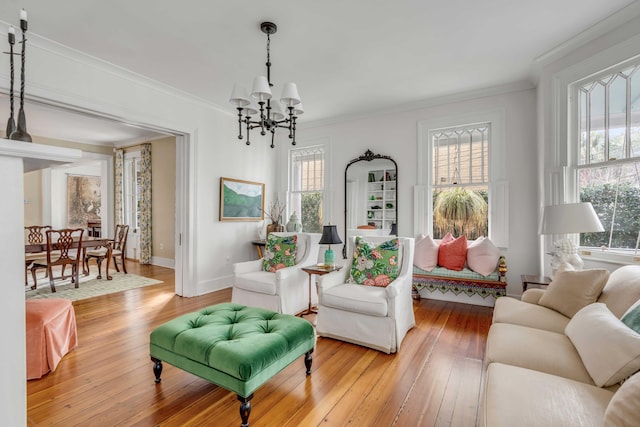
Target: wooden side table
{"type": "Point", "coordinates": [318, 270]}
{"type": "Point", "coordinates": [259, 244]}
{"type": "Point", "coordinates": [531, 279]}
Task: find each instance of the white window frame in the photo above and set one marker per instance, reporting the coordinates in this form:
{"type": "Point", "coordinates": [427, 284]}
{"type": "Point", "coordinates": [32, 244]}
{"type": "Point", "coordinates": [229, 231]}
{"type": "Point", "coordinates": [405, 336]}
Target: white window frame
{"type": "Point", "coordinates": [291, 154]}
{"type": "Point", "coordinates": [573, 161]}
{"type": "Point", "coordinates": [498, 185]}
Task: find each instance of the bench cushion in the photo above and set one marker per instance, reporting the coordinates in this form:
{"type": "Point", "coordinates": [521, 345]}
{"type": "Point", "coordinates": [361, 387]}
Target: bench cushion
{"type": "Point", "coordinates": [232, 345]}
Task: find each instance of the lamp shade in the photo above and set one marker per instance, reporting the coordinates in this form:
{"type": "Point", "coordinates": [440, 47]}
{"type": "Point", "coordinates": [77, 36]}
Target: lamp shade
{"type": "Point", "coordinates": [290, 95]}
{"type": "Point", "coordinates": [570, 218]}
{"type": "Point", "coordinates": [276, 110]}
{"type": "Point", "coordinates": [330, 235]}
{"type": "Point", "coordinates": [298, 109]}
{"type": "Point", "coordinates": [251, 109]}
{"type": "Point", "coordinates": [239, 96]}
{"type": "Point", "coordinates": [261, 90]}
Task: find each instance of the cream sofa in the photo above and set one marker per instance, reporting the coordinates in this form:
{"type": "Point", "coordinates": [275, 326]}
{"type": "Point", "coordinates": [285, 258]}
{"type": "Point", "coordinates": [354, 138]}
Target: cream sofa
{"type": "Point", "coordinates": [538, 372]}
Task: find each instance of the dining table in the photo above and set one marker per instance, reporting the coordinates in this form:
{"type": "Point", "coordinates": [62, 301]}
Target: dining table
{"type": "Point", "coordinates": [87, 242]}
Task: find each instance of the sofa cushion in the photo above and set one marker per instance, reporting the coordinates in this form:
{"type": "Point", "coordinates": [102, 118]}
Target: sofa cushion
{"type": "Point", "coordinates": [452, 253]}
{"type": "Point", "coordinates": [622, 289]}
{"type": "Point", "coordinates": [569, 291]}
{"type": "Point", "coordinates": [522, 397]}
{"type": "Point", "coordinates": [425, 255]}
{"type": "Point", "coordinates": [623, 409]}
{"type": "Point", "coordinates": [280, 252]}
{"type": "Point", "coordinates": [483, 256]}
{"type": "Point", "coordinates": [359, 299]}
{"type": "Point", "coordinates": [609, 349]}
{"type": "Point", "coordinates": [535, 349]}
{"type": "Point", "coordinates": [375, 265]}
{"type": "Point", "coordinates": [510, 310]}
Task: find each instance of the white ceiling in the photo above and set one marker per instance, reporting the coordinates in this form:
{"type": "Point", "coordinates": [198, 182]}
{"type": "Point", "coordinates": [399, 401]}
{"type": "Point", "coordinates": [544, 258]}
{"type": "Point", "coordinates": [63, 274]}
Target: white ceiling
{"type": "Point", "coordinates": [347, 57]}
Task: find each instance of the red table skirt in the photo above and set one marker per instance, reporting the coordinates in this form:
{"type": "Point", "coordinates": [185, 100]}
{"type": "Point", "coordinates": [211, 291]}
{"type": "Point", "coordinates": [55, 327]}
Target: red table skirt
{"type": "Point", "coordinates": [51, 333]}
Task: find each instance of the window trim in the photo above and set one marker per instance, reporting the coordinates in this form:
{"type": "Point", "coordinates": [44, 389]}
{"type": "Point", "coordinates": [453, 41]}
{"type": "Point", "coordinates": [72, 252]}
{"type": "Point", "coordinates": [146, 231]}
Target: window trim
{"type": "Point", "coordinates": [572, 97]}
{"type": "Point", "coordinates": [498, 183]}
{"type": "Point", "coordinates": [290, 151]}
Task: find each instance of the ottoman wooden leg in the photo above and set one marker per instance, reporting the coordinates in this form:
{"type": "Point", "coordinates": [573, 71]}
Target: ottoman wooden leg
{"type": "Point", "coordinates": [245, 409]}
{"type": "Point", "coordinates": [307, 361]}
{"type": "Point", "coordinates": [157, 368]}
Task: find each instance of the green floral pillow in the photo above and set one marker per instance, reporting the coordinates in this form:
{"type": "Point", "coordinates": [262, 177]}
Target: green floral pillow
{"type": "Point", "coordinates": [374, 265]}
{"type": "Point", "coordinates": [280, 252]}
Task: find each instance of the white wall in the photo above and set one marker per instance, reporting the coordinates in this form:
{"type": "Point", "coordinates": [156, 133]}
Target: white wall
{"type": "Point", "coordinates": [395, 134]}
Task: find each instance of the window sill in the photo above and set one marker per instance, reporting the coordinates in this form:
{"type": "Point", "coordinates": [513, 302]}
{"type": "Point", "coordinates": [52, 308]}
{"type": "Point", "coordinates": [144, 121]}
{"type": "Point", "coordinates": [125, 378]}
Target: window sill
{"type": "Point", "coordinates": [597, 254]}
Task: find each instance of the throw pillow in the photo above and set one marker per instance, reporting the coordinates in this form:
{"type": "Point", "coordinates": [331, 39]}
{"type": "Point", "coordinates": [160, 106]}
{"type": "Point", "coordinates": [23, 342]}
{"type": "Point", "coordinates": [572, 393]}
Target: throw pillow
{"type": "Point", "coordinates": [632, 317]}
{"type": "Point", "coordinates": [279, 252]}
{"type": "Point", "coordinates": [452, 253]}
{"type": "Point", "coordinates": [623, 406]}
{"type": "Point", "coordinates": [374, 265]}
{"type": "Point", "coordinates": [569, 291]}
{"type": "Point", "coordinates": [425, 256]}
{"type": "Point", "coordinates": [609, 349]}
{"type": "Point", "coordinates": [483, 256]}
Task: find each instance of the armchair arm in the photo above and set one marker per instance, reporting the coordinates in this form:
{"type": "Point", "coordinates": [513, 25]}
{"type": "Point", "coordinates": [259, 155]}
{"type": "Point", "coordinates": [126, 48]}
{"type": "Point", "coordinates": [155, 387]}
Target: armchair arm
{"type": "Point", "coordinates": [247, 267]}
{"type": "Point", "coordinates": [332, 279]}
{"type": "Point", "coordinates": [532, 296]}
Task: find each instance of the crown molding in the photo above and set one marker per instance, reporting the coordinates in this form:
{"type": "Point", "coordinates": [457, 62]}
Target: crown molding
{"type": "Point", "coordinates": [425, 103]}
{"type": "Point", "coordinates": [606, 25]}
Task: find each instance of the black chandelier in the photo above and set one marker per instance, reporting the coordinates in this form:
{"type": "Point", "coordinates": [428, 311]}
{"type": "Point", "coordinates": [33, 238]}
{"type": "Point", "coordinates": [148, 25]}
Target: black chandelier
{"type": "Point", "coordinates": [271, 114]}
{"type": "Point", "coordinates": [18, 132]}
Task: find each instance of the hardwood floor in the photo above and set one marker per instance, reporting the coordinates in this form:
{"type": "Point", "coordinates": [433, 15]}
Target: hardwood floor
{"type": "Point", "coordinates": [108, 381]}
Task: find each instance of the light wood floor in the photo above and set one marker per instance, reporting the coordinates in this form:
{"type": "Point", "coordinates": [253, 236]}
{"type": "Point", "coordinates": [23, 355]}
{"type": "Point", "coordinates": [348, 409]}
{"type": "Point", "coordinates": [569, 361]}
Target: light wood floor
{"type": "Point", "coordinates": [108, 381]}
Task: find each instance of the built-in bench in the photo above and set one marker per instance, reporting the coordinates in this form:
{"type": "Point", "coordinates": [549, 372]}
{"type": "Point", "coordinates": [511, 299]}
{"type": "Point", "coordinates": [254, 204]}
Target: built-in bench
{"type": "Point", "coordinates": [458, 282]}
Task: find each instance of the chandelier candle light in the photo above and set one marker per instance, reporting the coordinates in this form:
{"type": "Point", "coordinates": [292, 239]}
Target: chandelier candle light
{"type": "Point", "coordinates": [271, 112]}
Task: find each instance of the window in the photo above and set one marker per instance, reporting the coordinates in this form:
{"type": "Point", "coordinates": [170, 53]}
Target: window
{"type": "Point", "coordinates": [131, 189]}
{"type": "Point", "coordinates": [460, 180]}
{"type": "Point", "coordinates": [306, 186]}
{"type": "Point", "coordinates": [607, 158]}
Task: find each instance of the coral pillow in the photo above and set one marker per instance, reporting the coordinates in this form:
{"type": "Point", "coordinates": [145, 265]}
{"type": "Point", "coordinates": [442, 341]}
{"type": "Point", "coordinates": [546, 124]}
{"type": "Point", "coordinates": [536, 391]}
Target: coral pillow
{"type": "Point", "coordinates": [483, 256]}
{"type": "Point", "coordinates": [452, 253]}
{"type": "Point", "coordinates": [426, 253]}
{"type": "Point", "coordinates": [280, 252]}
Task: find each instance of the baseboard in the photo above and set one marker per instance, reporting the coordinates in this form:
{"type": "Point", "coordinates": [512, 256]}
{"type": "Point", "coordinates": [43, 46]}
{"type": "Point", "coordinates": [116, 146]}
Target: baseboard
{"type": "Point", "coordinates": [163, 262]}
{"type": "Point", "coordinates": [463, 298]}
{"type": "Point", "coordinates": [215, 284]}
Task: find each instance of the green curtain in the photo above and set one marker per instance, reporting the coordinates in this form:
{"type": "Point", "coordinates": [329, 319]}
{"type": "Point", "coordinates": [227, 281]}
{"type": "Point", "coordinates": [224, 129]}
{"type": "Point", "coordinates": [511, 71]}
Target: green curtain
{"type": "Point", "coordinates": [144, 209]}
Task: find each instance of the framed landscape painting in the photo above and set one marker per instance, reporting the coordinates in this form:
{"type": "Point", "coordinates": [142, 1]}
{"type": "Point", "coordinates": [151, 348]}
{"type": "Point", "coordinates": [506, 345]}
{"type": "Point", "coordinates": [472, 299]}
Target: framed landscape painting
{"type": "Point", "coordinates": [83, 200]}
{"type": "Point", "coordinates": [241, 200]}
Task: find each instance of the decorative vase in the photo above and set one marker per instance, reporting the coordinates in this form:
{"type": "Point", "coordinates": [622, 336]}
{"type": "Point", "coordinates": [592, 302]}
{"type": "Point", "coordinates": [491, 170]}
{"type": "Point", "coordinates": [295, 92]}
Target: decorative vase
{"type": "Point", "coordinates": [274, 228]}
{"type": "Point", "coordinates": [294, 223]}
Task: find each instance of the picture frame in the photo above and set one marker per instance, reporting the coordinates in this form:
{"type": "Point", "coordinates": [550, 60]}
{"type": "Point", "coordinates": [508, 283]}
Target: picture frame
{"type": "Point", "coordinates": [83, 200]}
{"type": "Point", "coordinates": [241, 200]}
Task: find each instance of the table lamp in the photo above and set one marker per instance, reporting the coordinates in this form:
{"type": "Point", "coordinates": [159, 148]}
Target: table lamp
{"type": "Point", "coordinates": [565, 219]}
{"type": "Point", "coordinates": [330, 237]}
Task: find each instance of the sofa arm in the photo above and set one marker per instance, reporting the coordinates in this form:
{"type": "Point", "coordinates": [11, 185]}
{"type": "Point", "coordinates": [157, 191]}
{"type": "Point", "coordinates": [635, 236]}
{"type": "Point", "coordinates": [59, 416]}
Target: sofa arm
{"type": "Point", "coordinates": [247, 267]}
{"type": "Point", "coordinates": [532, 296]}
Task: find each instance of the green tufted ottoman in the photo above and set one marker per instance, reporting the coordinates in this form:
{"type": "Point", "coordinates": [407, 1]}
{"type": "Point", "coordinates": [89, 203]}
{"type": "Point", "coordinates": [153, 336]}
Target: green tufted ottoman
{"type": "Point", "coordinates": [233, 346]}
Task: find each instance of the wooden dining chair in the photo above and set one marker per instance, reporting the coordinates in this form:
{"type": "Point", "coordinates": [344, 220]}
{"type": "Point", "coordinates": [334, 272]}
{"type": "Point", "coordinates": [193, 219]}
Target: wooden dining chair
{"type": "Point", "coordinates": [118, 250]}
{"type": "Point", "coordinates": [63, 248]}
{"type": "Point", "coordinates": [35, 236]}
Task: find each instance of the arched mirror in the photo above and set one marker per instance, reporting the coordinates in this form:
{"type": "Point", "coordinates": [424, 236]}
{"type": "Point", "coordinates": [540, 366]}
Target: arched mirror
{"type": "Point", "coordinates": [370, 197]}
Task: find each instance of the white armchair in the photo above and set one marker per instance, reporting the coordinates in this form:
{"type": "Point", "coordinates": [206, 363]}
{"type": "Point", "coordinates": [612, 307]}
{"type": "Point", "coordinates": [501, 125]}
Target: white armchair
{"type": "Point", "coordinates": [286, 290]}
{"type": "Point", "coordinates": [371, 316]}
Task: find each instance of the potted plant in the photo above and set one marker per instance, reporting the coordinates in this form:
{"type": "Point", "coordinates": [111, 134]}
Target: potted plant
{"type": "Point", "coordinates": [274, 213]}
